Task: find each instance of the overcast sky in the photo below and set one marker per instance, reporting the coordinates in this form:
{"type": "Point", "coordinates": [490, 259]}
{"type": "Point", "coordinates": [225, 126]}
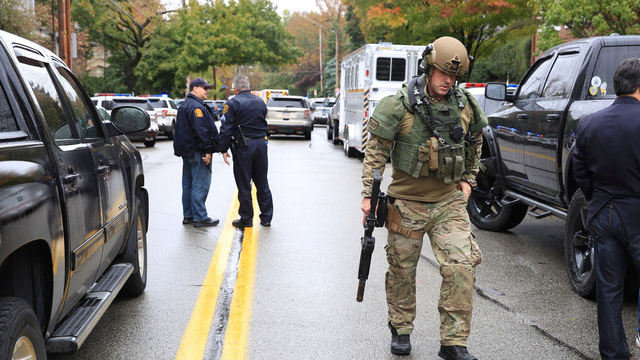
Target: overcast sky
{"type": "Point", "coordinates": [291, 5]}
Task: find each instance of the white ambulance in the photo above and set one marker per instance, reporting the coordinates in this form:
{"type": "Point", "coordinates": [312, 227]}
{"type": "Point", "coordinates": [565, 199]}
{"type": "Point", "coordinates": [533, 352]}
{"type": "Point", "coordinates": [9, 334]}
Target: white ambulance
{"type": "Point", "coordinates": [367, 75]}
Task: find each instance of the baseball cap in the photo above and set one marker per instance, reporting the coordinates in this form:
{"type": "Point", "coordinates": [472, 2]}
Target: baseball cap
{"type": "Point", "coordinates": [199, 82]}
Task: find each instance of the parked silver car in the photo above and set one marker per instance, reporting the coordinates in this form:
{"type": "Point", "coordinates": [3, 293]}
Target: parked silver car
{"type": "Point", "coordinates": [289, 115]}
{"type": "Point", "coordinates": [321, 108]}
{"type": "Point", "coordinates": [333, 123]}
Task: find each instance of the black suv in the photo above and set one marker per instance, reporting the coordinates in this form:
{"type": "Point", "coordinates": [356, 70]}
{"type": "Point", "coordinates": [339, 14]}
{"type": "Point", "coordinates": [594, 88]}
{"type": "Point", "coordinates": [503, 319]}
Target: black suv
{"type": "Point", "coordinates": [73, 209]}
{"type": "Point", "coordinates": [529, 143]}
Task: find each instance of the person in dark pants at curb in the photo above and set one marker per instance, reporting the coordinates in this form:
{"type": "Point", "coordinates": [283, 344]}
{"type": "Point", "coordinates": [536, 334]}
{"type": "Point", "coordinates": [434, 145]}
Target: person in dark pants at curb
{"type": "Point", "coordinates": [245, 130]}
{"type": "Point", "coordinates": [194, 142]}
{"type": "Point", "coordinates": [610, 181]}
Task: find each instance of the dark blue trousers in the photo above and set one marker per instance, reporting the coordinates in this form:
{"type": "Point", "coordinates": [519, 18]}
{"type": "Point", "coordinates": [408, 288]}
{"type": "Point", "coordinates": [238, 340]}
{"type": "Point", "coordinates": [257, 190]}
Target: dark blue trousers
{"type": "Point", "coordinates": [251, 163]}
{"type": "Point", "coordinates": [612, 250]}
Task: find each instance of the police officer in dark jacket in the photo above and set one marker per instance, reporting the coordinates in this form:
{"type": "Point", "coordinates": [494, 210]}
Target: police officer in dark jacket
{"type": "Point", "coordinates": [245, 130]}
{"type": "Point", "coordinates": [195, 142]}
{"type": "Point", "coordinates": [607, 169]}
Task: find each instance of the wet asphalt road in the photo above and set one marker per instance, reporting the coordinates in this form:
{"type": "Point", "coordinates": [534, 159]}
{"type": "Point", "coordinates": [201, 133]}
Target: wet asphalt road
{"type": "Point", "coordinates": [304, 304]}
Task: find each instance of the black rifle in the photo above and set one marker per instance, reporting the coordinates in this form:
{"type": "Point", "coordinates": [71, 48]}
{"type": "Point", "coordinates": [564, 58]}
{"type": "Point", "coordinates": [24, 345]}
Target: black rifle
{"type": "Point", "coordinates": [376, 218]}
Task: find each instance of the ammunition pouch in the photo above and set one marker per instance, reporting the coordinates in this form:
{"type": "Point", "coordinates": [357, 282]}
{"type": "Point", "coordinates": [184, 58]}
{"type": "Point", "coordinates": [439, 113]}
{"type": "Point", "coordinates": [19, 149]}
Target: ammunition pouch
{"type": "Point", "coordinates": [451, 162]}
{"type": "Point", "coordinates": [394, 221]}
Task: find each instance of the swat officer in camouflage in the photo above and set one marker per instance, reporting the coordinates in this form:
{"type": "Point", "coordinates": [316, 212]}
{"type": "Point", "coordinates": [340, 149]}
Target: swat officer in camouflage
{"type": "Point", "coordinates": [432, 131]}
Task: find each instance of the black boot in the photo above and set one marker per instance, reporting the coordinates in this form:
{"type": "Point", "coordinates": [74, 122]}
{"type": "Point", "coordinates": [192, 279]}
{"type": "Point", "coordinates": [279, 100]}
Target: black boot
{"type": "Point", "coordinates": [400, 344]}
{"type": "Point", "coordinates": [455, 352]}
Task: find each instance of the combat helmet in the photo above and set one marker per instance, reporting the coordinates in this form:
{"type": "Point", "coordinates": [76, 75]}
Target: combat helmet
{"type": "Point", "coordinates": [446, 54]}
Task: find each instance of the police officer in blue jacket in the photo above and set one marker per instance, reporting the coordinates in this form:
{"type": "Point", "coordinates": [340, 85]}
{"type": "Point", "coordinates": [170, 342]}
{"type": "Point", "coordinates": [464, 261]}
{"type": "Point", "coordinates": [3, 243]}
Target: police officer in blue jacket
{"type": "Point", "coordinates": [245, 130]}
{"type": "Point", "coordinates": [194, 141]}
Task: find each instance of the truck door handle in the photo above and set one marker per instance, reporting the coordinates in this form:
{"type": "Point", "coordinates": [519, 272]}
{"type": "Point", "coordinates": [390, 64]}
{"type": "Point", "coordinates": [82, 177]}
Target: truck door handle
{"type": "Point", "coordinates": [553, 117]}
{"type": "Point", "coordinates": [71, 178]}
{"type": "Point", "coordinates": [522, 116]}
{"type": "Point", "coordinates": [104, 169]}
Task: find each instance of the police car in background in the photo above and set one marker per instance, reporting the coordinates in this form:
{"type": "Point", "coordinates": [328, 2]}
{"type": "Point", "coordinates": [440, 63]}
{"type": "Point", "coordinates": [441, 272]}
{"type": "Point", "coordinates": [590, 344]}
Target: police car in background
{"type": "Point", "coordinates": [109, 101]}
{"type": "Point", "coordinates": [167, 112]}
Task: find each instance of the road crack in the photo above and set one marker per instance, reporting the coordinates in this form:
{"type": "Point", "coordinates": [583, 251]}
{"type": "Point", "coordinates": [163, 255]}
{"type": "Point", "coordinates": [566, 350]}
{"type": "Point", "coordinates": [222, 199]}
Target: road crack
{"type": "Point", "coordinates": [520, 316]}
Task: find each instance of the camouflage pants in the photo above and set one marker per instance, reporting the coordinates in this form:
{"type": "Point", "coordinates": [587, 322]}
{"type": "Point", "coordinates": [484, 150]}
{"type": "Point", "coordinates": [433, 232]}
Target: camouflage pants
{"type": "Point", "coordinates": [447, 225]}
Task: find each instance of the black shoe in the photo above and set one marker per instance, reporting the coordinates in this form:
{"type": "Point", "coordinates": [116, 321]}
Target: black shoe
{"type": "Point", "coordinates": [241, 224]}
{"type": "Point", "coordinates": [206, 222]}
{"type": "Point", "coordinates": [400, 344]}
{"type": "Point", "coordinates": [265, 223]}
{"type": "Point", "coordinates": [455, 352]}
{"type": "Point", "coordinates": [187, 221]}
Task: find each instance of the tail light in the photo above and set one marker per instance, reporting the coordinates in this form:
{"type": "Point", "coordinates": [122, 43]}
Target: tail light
{"type": "Point", "coordinates": [165, 113]}
{"type": "Point", "coordinates": [307, 113]}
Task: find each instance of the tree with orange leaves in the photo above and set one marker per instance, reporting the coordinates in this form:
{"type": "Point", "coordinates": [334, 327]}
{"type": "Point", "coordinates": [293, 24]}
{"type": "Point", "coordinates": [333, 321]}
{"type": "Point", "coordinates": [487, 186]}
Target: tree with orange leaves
{"type": "Point", "coordinates": [476, 23]}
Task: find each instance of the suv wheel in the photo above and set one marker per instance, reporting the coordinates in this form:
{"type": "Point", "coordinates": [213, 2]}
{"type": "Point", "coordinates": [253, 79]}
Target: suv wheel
{"type": "Point", "coordinates": [136, 254]}
{"type": "Point", "coordinates": [485, 207]}
{"type": "Point", "coordinates": [578, 248]}
{"type": "Point", "coordinates": [20, 334]}
{"type": "Point", "coordinates": [149, 143]}
{"type": "Point", "coordinates": [172, 133]}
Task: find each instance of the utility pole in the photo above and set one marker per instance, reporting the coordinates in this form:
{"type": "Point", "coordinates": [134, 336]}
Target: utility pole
{"type": "Point", "coordinates": [64, 31]}
{"type": "Point", "coordinates": [337, 67]}
{"type": "Point", "coordinates": [320, 37]}
{"type": "Point", "coordinates": [215, 86]}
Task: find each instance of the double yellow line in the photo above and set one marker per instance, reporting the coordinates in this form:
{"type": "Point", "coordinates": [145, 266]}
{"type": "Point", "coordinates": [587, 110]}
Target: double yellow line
{"type": "Point", "coordinates": [194, 340]}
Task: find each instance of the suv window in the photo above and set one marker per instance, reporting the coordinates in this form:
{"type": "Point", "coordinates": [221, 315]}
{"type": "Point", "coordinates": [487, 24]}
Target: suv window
{"type": "Point", "coordinates": [107, 104]}
{"type": "Point", "coordinates": [530, 88]}
{"type": "Point", "coordinates": [284, 102]}
{"type": "Point", "coordinates": [157, 103]}
{"type": "Point", "coordinates": [173, 105]}
{"type": "Point", "coordinates": [557, 84]}
{"type": "Point", "coordinates": [390, 69]}
{"type": "Point", "coordinates": [142, 104]}
{"type": "Point", "coordinates": [36, 75]}
{"type": "Point", "coordinates": [7, 120]}
{"type": "Point", "coordinates": [83, 117]}
{"type": "Point", "coordinates": [608, 60]}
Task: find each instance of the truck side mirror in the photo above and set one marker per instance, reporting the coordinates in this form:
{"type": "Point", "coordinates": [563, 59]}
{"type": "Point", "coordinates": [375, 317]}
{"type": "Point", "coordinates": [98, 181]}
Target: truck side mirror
{"type": "Point", "coordinates": [130, 119]}
{"type": "Point", "coordinates": [496, 91]}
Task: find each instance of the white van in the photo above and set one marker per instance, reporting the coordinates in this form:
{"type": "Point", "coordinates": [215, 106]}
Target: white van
{"type": "Point", "coordinates": [367, 75]}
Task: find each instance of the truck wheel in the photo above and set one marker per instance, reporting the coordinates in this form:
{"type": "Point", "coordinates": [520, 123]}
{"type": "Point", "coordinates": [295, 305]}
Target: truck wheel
{"type": "Point", "coordinates": [150, 143]}
{"type": "Point", "coordinates": [307, 135]}
{"type": "Point", "coordinates": [20, 334]}
{"type": "Point", "coordinates": [578, 248]}
{"type": "Point", "coordinates": [329, 131]}
{"type": "Point", "coordinates": [136, 254]}
{"type": "Point", "coordinates": [336, 135]}
{"type": "Point", "coordinates": [485, 207]}
{"type": "Point", "coordinates": [349, 151]}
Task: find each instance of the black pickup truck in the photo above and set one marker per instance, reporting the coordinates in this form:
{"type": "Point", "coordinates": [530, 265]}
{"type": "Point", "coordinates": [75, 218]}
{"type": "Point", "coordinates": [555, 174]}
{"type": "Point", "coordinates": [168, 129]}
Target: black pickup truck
{"type": "Point", "coordinates": [529, 142]}
{"type": "Point", "coordinates": [73, 209]}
